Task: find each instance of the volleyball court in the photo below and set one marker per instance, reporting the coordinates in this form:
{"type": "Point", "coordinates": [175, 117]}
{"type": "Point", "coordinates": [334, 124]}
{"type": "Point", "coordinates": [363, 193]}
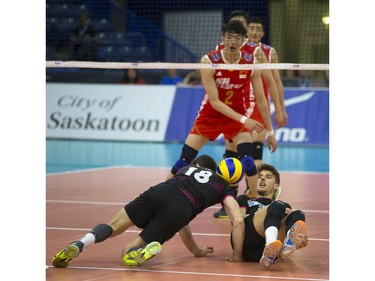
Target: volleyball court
{"type": "Point", "coordinates": [77, 201]}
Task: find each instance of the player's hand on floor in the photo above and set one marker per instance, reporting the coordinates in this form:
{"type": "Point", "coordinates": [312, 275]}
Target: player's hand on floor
{"type": "Point", "coordinates": [204, 251]}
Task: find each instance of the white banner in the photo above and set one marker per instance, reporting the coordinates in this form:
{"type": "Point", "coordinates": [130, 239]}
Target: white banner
{"type": "Point", "coordinates": [108, 112]}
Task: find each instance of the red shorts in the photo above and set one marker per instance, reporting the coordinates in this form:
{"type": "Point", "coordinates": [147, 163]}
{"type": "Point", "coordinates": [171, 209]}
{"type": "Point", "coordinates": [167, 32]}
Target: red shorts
{"type": "Point", "coordinates": [212, 127]}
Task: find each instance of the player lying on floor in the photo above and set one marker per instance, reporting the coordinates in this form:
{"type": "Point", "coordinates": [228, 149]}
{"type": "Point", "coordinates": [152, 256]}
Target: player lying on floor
{"type": "Point", "coordinates": [268, 222]}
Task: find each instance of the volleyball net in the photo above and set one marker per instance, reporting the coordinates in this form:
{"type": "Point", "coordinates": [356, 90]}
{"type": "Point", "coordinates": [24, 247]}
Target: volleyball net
{"type": "Point", "coordinates": [165, 34]}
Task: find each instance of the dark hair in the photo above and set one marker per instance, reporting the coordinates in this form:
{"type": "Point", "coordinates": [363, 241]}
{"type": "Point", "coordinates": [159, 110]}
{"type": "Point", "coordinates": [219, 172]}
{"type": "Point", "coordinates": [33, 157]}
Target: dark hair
{"type": "Point", "coordinates": [256, 20]}
{"type": "Point", "coordinates": [126, 79]}
{"type": "Point", "coordinates": [238, 13]}
{"type": "Point", "coordinates": [272, 169]}
{"type": "Point", "coordinates": [234, 26]}
{"type": "Point", "coordinates": [205, 161]}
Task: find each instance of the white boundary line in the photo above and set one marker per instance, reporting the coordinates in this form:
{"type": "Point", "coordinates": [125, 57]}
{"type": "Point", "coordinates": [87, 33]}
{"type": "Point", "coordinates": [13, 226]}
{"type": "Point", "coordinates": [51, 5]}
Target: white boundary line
{"type": "Point", "coordinates": [138, 231]}
{"type": "Point", "coordinates": [198, 273]}
{"type": "Point", "coordinates": [124, 203]}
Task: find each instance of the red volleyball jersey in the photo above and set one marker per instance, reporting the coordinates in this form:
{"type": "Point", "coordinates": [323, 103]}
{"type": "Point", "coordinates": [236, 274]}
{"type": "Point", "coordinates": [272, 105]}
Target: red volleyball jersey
{"type": "Point", "coordinates": [230, 84]}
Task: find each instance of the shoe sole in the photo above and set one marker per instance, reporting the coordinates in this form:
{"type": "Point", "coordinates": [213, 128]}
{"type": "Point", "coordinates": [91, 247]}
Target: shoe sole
{"type": "Point", "coordinates": [270, 253]}
{"type": "Point", "coordinates": [137, 257]}
{"type": "Point", "coordinates": [295, 238]}
{"type": "Point", "coordinates": [221, 217]}
{"type": "Point", "coordinates": [62, 258]}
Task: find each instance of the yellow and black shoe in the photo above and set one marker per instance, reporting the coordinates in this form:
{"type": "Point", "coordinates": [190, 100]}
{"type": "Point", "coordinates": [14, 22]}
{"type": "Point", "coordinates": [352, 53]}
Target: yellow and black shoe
{"type": "Point", "coordinates": [221, 214]}
{"type": "Point", "coordinates": [137, 256]}
{"type": "Point", "coordinates": [62, 258]}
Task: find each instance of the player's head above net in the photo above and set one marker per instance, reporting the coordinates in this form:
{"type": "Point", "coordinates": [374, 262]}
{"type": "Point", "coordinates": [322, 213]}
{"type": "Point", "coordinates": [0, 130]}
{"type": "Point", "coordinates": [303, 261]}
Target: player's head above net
{"type": "Point", "coordinates": [234, 27]}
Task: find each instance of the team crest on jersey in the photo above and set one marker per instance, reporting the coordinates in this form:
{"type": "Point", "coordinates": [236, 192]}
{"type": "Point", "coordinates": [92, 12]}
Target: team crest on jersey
{"type": "Point", "coordinates": [248, 57]}
{"type": "Point", "coordinates": [252, 44]}
{"type": "Point", "coordinates": [264, 46]}
{"type": "Point", "coordinates": [215, 57]}
{"type": "Point", "coordinates": [252, 203]}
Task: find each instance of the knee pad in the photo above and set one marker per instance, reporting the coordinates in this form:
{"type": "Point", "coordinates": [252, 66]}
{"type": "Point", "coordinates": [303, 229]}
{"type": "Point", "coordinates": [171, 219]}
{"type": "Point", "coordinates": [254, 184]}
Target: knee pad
{"type": "Point", "coordinates": [230, 153]}
{"type": "Point", "coordinates": [188, 154]}
{"type": "Point", "coordinates": [296, 215]}
{"type": "Point", "coordinates": [244, 154]}
{"type": "Point", "coordinates": [101, 232]}
{"type": "Point", "coordinates": [258, 150]}
{"type": "Point", "coordinates": [275, 214]}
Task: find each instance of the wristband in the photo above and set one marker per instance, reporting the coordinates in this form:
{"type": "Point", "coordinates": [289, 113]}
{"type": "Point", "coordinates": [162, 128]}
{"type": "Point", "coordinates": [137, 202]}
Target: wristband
{"type": "Point", "coordinates": [271, 133]}
{"type": "Point", "coordinates": [243, 119]}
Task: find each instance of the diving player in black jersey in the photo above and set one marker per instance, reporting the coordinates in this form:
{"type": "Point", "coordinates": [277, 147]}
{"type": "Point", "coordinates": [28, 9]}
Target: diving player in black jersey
{"type": "Point", "coordinates": [162, 211]}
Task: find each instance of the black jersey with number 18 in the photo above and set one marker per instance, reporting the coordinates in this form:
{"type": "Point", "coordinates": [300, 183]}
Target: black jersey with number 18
{"type": "Point", "coordinates": [203, 187]}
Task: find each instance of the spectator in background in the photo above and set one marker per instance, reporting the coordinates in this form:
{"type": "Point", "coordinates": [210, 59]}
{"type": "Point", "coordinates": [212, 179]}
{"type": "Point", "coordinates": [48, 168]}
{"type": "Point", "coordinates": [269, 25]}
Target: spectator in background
{"type": "Point", "coordinates": [131, 76]}
{"type": "Point", "coordinates": [290, 78]}
{"type": "Point", "coordinates": [193, 78]}
{"type": "Point", "coordinates": [83, 40]}
{"type": "Point", "coordinates": [305, 78]}
{"type": "Point", "coordinates": [172, 78]}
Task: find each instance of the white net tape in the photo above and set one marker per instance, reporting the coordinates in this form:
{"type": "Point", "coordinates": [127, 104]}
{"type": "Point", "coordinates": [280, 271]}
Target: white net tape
{"type": "Point", "coordinates": [161, 65]}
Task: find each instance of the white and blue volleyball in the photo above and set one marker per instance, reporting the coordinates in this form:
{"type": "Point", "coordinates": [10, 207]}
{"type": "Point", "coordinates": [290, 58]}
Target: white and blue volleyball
{"type": "Point", "coordinates": [230, 169]}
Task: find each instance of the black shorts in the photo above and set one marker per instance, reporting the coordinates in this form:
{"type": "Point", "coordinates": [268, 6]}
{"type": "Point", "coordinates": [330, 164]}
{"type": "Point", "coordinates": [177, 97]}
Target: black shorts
{"type": "Point", "coordinates": [254, 243]}
{"type": "Point", "coordinates": [161, 212]}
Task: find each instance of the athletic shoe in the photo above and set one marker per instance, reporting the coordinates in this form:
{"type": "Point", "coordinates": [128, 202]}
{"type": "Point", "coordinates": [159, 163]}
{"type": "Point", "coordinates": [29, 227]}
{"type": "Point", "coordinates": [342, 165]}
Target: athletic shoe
{"type": "Point", "coordinates": [295, 239]}
{"type": "Point", "coordinates": [278, 193]}
{"type": "Point", "coordinates": [137, 256]}
{"type": "Point", "coordinates": [62, 258]}
{"type": "Point", "coordinates": [270, 253]}
{"type": "Point", "coordinates": [221, 214]}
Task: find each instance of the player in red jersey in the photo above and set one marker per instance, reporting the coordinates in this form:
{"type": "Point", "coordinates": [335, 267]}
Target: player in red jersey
{"type": "Point", "coordinates": [272, 86]}
{"type": "Point", "coordinates": [222, 110]}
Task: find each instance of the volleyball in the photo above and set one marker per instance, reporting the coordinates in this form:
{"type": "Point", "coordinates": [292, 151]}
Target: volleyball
{"type": "Point", "coordinates": [230, 169]}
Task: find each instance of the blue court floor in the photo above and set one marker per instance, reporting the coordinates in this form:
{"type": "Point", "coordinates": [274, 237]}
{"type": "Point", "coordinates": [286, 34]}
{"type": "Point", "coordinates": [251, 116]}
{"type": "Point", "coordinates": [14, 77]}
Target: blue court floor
{"type": "Point", "coordinates": [71, 155]}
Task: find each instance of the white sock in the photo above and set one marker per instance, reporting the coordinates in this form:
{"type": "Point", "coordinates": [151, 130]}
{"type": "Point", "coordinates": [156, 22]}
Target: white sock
{"type": "Point", "coordinates": [271, 234]}
{"type": "Point", "coordinates": [88, 239]}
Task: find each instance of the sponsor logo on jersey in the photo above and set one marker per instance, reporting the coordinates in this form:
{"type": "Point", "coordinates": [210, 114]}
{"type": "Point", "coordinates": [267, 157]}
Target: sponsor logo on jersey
{"type": "Point", "coordinates": [219, 73]}
{"type": "Point", "coordinates": [252, 203]}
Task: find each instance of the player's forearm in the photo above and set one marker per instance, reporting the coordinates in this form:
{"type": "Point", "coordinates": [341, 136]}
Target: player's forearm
{"type": "Point", "coordinates": [188, 240]}
{"type": "Point", "coordinates": [226, 110]}
{"type": "Point", "coordinates": [266, 115]}
{"type": "Point", "coordinates": [238, 237]}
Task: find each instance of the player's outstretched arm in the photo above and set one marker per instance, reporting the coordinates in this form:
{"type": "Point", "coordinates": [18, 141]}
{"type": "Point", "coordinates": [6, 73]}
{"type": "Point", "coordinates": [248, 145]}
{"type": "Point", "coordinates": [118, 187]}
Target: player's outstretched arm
{"type": "Point", "coordinates": [238, 228]}
{"type": "Point", "coordinates": [188, 240]}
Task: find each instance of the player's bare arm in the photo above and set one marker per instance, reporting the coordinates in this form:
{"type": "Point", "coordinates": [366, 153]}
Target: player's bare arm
{"type": "Point", "coordinates": [268, 78]}
{"type": "Point", "coordinates": [279, 84]}
{"type": "Point", "coordinates": [189, 242]}
{"type": "Point", "coordinates": [263, 109]}
{"type": "Point", "coordinates": [238, 228]}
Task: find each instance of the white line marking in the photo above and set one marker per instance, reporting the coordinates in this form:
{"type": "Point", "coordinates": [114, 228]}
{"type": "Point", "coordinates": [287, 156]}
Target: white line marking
{"type": "Point", "coordinates": [197, 273]}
